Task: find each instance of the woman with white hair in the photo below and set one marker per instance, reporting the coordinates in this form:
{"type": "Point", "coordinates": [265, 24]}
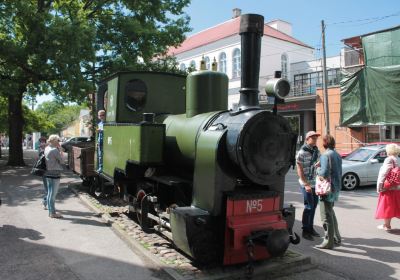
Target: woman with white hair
{"type": "Point", "coordinates": [54, 160]}
{"type": "Point", "coordinates": [389, 198]}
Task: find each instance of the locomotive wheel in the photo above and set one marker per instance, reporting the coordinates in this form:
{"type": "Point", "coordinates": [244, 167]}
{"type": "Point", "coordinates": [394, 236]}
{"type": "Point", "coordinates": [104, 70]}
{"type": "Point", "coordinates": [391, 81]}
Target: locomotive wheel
{"type": "Point", "coordinates": [86, 181]}
{"type": "Point", "coordinates": [119, 188]}
{"type": "Point", "coordinates": [95, 185]}
{"type": "Point", "coordinates": [142, 209]}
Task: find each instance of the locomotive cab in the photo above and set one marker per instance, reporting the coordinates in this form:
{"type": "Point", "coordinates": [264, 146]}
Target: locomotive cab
{"type": "Point", "coordinates": [130, 132]}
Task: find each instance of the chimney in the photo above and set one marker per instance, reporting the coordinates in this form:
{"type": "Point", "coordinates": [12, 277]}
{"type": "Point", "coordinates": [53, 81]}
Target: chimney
{"type": "Point", "coordinates": [236, 12]}
{"type": "Point", "coordinates": [251, 31]}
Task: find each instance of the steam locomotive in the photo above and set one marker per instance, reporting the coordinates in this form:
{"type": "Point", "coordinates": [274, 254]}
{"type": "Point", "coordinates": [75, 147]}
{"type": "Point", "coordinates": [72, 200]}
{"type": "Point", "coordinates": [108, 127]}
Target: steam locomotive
{"type": "Point", "coordinates": [210, 177]}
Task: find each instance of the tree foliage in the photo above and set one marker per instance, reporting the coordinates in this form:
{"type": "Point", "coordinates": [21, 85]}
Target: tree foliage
{"type": "Point", "coordinates": [58, 115]}
{"type": "Point", "coordinates": [34, 121]}
{"type": "Point", "coordinates": [65, 47]}
{"type": "Point", "coordinates": [49, 108]}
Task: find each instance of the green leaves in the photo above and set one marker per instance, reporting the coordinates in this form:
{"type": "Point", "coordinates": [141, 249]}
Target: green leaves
{"type": "Point", "coordinates": [58, 115]}
{"type": "Point", "coordinates": [71, 45]}
{"type": "Point", "coordinates": [66, 47]}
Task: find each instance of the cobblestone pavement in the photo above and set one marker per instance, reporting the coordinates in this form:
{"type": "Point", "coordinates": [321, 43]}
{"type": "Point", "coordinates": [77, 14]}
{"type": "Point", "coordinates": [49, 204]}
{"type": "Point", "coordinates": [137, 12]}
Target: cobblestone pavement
{"type": "Point", "coordinates": [157, 247]}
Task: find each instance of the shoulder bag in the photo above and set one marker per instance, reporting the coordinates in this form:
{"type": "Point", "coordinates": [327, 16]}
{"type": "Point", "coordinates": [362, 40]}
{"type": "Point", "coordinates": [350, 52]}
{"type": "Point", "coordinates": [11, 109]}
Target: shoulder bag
{"type": "Point", "coordinates": [39, 168]}
{"type": "Point", "coordinates": [392, 177]}
{"type": "Point", "coordinates": [323, 186]}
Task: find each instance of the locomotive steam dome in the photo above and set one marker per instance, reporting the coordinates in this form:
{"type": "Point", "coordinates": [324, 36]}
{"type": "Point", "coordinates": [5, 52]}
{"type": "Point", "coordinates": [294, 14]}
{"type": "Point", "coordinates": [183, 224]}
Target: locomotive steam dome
{"type": "Point", "coordinates": [261, 146]}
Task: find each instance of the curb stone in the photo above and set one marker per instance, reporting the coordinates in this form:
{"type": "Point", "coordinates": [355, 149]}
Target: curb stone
{"type": "Point", "coordinates": [162, 254]}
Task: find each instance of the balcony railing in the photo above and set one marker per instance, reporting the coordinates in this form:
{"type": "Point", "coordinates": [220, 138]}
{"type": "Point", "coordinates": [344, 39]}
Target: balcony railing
{"type": "Point", "coordinates": [303, 90]}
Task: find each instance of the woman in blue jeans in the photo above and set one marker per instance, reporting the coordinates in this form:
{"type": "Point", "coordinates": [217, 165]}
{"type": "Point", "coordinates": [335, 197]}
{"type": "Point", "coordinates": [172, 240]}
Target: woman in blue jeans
{"type": "Point", "coordinates": [53, 156]}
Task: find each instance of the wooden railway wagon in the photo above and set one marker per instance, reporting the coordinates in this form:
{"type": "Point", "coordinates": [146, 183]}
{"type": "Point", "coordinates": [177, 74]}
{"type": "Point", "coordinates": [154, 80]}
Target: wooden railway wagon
{"type": "Point", "coordinates": [81, 160]}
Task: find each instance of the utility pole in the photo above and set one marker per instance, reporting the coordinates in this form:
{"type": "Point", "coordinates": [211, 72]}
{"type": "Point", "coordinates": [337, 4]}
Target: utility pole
{"type": "Point", "coordinates": [325, 82]}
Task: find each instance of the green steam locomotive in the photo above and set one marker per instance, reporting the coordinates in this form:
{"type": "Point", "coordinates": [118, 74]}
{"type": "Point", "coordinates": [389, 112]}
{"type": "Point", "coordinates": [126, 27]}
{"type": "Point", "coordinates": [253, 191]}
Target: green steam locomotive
{"type": "Point", "coordinates": [211, 177]}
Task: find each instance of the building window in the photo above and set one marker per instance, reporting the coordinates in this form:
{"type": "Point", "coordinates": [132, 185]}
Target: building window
{"type": "Point", "coordinates": [391, 132]}
{"type": "Point", "coordinates": [333, 77]}
{"type": "Point", "coordinates": [222, 62]}
{"type": "Point", "coordinates": [207, 62]}
{"type": "Point", "coordinates": [284, 65]}
{"type": "Point", "coordinates": [236, 64]}
{"type": "Point", "coordinates": [182, 67]}
{"type": "Point", "coordinates": [306, 84]}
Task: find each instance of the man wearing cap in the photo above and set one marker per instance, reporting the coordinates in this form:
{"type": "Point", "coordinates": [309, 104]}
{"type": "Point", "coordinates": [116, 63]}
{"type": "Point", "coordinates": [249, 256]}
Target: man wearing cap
{"type": "Point", "coordinates": [307, 161]}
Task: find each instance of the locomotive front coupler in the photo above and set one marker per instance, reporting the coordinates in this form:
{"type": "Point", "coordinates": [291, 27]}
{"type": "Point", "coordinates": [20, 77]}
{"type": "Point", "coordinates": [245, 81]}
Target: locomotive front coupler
{"type": "Point", "coordinates": [288, 214]}
{"type": "Point", "coordinates": [294, 237]}
{"type": "Point", "coordinates": [275, 241]}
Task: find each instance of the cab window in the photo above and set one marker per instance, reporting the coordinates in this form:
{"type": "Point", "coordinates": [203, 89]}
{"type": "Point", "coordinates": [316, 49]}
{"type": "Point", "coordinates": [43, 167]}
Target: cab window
{"type": "Point", "coordinates": [135, 95]}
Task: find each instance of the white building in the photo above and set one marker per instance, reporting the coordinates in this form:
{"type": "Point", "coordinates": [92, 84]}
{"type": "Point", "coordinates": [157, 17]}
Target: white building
{"type": "Point", "coordinates": [222, 42]}
{"type": "Point", "coordinates": [305, 77]}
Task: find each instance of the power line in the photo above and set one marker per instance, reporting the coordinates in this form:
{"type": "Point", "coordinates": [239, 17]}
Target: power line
{"type": "Point", "coordinates": [369, 20]}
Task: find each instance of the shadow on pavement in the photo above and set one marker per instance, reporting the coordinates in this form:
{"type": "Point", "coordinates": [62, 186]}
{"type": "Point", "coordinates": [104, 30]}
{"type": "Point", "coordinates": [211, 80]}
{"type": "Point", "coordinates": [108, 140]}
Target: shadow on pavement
{"type": "Point", "coordinates": [23, 257]}
{"type": "Point", "coordinates": [375, 248]}
{"type": "Point", "coordinates": [357, 258]}
{"type": "Point", "coordinates": [77, 217]}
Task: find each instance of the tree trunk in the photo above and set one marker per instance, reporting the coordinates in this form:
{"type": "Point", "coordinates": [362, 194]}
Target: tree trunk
{"type": "Point", "coordinates": [16, 124]}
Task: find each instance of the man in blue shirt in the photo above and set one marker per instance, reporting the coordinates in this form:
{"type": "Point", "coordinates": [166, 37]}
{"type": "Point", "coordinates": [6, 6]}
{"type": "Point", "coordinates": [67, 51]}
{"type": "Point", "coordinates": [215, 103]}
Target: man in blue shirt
{"type": "Point", "coordinates": [102, 116]}
{"type": "Point", "coordinates": [307, 161]}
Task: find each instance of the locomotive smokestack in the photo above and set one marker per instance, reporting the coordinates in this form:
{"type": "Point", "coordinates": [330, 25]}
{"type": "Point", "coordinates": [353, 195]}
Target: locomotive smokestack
{"type": "Point", "coordinates": [251, 30]}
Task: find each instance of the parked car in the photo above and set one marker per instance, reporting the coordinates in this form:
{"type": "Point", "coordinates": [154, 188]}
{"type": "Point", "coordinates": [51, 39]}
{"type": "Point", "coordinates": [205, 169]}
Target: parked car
{"type": "Point", "coordinates": [72, 141]}
{"type": "Point", "coordinates": [361, 167]}
{"type": "Point", "coordinates": [344, 154]}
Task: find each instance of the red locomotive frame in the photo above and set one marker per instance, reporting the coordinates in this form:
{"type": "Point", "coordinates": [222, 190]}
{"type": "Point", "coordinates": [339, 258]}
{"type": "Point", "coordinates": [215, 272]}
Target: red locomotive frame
{"type": "Point", "coordinates": [244, 217]}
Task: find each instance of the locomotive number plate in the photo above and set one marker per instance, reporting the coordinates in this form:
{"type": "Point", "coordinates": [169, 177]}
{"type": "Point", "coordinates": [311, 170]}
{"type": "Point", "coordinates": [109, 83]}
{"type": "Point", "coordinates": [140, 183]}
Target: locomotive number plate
{"type": "Point", "coordinates": [252, 206]}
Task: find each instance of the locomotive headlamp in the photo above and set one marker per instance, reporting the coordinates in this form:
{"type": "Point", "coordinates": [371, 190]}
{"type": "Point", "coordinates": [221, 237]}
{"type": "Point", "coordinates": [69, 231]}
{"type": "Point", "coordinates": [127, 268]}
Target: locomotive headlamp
{"type": "Point", "coordinates": [277, 87]}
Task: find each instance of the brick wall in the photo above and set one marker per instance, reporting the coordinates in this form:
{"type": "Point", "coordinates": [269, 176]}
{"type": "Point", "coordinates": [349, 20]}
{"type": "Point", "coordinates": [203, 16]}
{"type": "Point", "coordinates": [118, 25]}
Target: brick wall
{"type": "Point", "coordinates": [347, 139]}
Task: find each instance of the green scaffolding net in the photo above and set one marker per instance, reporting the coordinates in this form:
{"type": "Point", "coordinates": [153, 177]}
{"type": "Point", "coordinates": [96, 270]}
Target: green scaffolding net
{"type": "Point", "coordinates": [371, 96]}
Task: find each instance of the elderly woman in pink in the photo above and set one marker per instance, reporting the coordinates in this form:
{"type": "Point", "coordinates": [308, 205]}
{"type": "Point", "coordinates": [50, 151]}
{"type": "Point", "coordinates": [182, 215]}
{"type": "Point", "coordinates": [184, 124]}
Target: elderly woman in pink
{"type": "Point", "coordinates": [389, 198]}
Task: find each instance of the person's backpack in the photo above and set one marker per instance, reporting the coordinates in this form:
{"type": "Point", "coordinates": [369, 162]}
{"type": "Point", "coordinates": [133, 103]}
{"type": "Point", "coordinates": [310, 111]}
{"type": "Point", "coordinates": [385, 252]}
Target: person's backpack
{"type": "Point", "coordinates": [39, 168]}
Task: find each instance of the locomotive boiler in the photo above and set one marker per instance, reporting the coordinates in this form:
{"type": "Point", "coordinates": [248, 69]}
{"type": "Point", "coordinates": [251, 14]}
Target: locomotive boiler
{"type": "Point", "coordinates": [211, 177]}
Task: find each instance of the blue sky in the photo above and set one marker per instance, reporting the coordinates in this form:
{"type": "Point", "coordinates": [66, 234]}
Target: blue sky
{"type": "Point", "coordinates": [343, 18]}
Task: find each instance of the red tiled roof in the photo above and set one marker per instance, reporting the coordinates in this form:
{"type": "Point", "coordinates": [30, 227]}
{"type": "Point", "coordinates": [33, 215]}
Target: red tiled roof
{"type": "Point", "coordinates": [226, 29]}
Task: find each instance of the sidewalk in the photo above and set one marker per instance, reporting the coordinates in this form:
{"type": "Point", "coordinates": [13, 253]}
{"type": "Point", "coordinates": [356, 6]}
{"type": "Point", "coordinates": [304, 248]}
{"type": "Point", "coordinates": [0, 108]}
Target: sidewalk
{"type": "Point", "coordinates": [79, 246]}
